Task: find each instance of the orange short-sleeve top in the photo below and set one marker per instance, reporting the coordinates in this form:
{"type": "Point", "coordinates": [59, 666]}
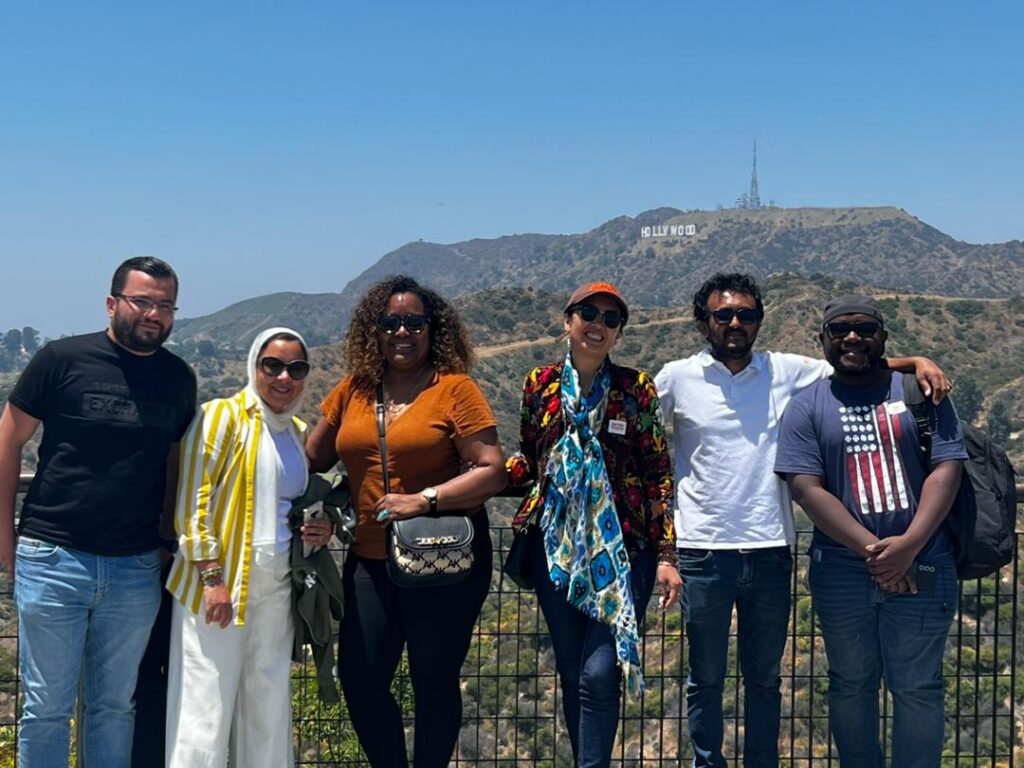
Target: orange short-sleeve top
{"type": "Point", "coordinates": [420, 442]}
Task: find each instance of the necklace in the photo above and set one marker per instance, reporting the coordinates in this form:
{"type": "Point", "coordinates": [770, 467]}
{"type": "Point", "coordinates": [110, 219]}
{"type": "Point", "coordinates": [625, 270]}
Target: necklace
{"type": "Point", "coordinates": [396, 409]}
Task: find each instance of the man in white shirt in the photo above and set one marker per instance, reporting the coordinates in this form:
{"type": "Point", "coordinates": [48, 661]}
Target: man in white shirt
{"type": "Point", "coordinates": [733, 516]}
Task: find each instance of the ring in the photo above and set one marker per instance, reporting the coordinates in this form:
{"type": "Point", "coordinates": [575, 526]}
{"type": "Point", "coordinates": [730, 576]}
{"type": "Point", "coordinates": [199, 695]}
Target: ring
{"type": "Point", "coordinates": [383, 515]}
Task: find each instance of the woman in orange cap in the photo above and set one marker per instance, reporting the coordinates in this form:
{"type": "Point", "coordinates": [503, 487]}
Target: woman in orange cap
{"type": "Point", "coordinates": [592, 441]}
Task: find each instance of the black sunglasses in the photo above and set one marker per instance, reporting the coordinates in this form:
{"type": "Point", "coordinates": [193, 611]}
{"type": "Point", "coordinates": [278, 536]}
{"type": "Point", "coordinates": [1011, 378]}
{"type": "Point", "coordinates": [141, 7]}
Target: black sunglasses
{"type": "Point", "coordinates": [842, 330]}
{"type": "Point", "coordinates": [272, 366]}
{"type": "Point", "coordinates": [413, 323]}
{"type": "Point", "coordinates": [612, 318]}
{"type": "Point", "coordinates": [746, 315]}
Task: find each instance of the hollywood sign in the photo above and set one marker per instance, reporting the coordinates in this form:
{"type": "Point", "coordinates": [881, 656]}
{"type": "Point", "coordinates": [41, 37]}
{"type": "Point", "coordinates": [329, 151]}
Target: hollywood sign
{"type": "Point", "coordinates": [669, 230]}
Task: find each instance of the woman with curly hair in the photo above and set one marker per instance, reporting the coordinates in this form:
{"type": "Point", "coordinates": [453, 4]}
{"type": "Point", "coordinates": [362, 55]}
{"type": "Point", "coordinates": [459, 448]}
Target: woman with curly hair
{"type": "Point", "coordinates": [591, 439]}
{"type": "Point", "coordinates": [408, 339]}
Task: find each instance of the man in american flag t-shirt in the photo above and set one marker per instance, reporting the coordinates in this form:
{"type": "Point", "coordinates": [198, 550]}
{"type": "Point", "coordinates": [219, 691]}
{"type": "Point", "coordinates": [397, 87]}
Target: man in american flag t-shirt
{"type": "Point", "coordinates": [882, 574]}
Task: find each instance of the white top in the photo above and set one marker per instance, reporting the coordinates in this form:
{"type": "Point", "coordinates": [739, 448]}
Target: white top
{"type": "Point", "coordinates": [725, 434]}
{"type": "Point", "coordinates": [271, 531]}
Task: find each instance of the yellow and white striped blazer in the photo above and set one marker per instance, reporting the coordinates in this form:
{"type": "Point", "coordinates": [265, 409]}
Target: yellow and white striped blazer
{"type": "Point", "coordinates": [213, 514]}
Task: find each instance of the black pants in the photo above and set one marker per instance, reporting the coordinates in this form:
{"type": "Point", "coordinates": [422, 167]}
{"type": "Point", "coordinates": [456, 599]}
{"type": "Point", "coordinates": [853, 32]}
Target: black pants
{"type": "Point", "coordinates": [435, 624]}
{"type": "Point", "coordinates": [151, 689]}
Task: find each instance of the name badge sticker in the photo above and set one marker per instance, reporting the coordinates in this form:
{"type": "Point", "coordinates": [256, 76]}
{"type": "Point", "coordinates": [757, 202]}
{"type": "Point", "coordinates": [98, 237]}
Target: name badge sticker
{"type": "Point", "coordinates": [896, 408]}
{"type": "Point", "coordinates": [616, 427]}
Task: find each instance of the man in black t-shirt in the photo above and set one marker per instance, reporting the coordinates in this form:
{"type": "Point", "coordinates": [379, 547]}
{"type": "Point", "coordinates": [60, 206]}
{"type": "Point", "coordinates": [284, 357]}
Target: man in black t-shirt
{"type": "Point", "coordinates": [86, 559]}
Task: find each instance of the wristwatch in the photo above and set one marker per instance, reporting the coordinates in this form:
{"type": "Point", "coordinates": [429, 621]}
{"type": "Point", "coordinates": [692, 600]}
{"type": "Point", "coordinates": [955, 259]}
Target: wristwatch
{"type": "Point", "coordinates": [212, 577]}
{"type": "Point", "coordinates": [430, 494]}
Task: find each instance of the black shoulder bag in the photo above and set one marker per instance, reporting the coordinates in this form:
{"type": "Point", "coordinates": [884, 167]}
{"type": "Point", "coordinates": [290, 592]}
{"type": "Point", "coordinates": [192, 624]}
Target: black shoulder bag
{"type": "Point", "coordinates": [426, 550]}
{"type": "Point", "coordinates": [984, 512]}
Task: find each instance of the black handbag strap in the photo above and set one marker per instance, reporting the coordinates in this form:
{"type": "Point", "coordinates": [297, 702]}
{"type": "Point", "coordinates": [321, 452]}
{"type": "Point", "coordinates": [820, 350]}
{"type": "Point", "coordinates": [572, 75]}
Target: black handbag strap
{"type": "Point", "coordinates": [381, 429]}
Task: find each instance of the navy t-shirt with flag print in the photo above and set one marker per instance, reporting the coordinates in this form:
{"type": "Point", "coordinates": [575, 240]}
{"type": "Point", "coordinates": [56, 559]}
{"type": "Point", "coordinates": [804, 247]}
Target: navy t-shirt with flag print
{"type": "Point", "coordinates": [864, 443]}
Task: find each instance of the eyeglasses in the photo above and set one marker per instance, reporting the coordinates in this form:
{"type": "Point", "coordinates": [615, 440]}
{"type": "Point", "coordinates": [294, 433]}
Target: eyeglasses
{"type": "Point", "coordinates": [145, 306]}
{"type": "Point", "coordinates": [413, 323]}
{"type": "Point", "coordinates": [838, 331]}
{"type": "Point", "coordinates": [612, 318]}
{"type": "Point", "coordinates": [272, 366]}
{"type": "Point", "coordinates": [746, 315]}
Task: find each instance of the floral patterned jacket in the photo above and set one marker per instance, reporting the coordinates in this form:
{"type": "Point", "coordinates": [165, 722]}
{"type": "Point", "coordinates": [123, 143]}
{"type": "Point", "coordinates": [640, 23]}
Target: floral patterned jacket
{"type": "Point", "coordinates": [635, 453]}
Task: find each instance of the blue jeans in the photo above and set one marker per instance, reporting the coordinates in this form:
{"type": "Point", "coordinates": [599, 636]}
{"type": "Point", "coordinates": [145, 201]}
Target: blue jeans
{"type": "Point", "coordinates": [869, 632]}
{"type": "Point", "coordinates": [758, 583]}
{"type": "Point", "coordinates": [586, 659]}
{"type": "Point", "coordinates": [81, 613]}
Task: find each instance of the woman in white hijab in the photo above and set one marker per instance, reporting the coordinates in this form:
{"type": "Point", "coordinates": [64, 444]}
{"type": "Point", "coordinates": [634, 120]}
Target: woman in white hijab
{"type": "Point", "coordinates": [242, 464]}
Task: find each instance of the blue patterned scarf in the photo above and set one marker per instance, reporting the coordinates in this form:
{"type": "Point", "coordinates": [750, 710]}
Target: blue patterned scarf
{"type": "Point", "coordinates": [582, 535]}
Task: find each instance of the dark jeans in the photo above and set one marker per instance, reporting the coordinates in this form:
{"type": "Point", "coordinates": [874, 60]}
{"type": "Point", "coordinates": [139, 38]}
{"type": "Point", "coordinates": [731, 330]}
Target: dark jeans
{"type": "Point", "coordinates": [435, 625]}
{"type": "Point", "coordinates": [758, 583]}
{"type": "Point", "coordinates": [587, 661]}
{"type": "Point", "coordinates": [869, 632]}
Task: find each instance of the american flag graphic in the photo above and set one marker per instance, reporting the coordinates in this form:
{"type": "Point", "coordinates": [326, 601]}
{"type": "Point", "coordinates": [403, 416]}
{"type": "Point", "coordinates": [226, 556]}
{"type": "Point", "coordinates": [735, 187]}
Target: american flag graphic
{"type": "Point", "coordinates": [871, 436]}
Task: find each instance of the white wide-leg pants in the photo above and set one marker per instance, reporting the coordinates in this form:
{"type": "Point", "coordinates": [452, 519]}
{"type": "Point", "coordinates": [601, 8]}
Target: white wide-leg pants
{"type": "Point", "coordinates": [230, 689]}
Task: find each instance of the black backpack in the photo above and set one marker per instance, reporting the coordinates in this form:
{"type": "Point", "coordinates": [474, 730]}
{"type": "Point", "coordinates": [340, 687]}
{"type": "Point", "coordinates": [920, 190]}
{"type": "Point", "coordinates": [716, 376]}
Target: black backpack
{"type": "Point", "coordinates": [984, 512]}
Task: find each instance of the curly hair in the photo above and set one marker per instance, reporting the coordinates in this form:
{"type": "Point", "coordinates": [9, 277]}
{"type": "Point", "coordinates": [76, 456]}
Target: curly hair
{"type": "Point", "coordinates": [450, 351]}
{"type": "Point", "coordinates": [733, 282]}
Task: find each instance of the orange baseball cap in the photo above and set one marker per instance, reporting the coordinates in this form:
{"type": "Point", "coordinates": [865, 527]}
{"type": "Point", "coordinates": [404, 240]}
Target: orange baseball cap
{"type": "Point", "coordinates": [587, 290]}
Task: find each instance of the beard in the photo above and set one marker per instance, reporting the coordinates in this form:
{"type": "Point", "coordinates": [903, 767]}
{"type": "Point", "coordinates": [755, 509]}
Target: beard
{"type": "Point", "coordinates": [130, 334]}
{"type": "Point", "coordinates": [720, 350]}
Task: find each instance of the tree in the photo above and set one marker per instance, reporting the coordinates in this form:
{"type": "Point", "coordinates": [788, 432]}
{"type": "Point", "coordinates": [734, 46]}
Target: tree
{"type": "Point", "coordinates": [206, 348]}
{"type": "Point", "coordinates": [30, 339]}
{"type": "Point", "coordinates": [12, 341]}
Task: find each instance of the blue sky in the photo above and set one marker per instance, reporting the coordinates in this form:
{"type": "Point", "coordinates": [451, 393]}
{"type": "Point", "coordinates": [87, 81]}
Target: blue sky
{"type": "Point", "coordinates": [267, 146]}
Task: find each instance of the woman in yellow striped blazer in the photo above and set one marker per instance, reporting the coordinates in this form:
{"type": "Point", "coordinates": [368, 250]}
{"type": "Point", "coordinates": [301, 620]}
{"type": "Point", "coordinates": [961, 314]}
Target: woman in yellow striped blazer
{"type": "Point", "coordinates": [242, 464]}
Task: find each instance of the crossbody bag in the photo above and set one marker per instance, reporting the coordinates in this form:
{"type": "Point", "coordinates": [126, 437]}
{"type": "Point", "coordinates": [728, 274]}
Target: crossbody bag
{"type": "Point", "coordinates": [426, 550]}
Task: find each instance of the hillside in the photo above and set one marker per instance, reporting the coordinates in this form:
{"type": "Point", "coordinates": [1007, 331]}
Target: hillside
{"type": "Point", "coordinates": [971, 339]}
{"type": "Point", "coordinates": [978, 341]}
{"type": "Point", "coordinates": [895, 249]}
{"type": "Point", "coordinates": [514, 329]}
{"type": "Point", "coordinates": [320, 317]}
{"type": "Point", "coordinates": [659, 257]}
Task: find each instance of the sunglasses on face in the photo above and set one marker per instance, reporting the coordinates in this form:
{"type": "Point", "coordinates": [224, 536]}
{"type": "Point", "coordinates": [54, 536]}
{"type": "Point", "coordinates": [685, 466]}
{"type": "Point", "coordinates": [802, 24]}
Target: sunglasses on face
{"type": "Point", "coordinates": [413, 323]}
{"type": "Point", "coordinates": [842, 330]}
{"type": "Point", "coordinates": [611, 318]}
{"type": "Point", "coordinates": [272, 366]}
{"type": "Point", "coordinates": [746, 315]}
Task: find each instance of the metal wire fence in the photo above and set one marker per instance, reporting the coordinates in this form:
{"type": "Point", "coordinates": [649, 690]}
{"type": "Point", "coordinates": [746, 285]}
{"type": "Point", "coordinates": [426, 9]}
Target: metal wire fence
{"type": "Point", "coordinates": [512, 710]}
{"type": "Point", "coordinates": [511, 698]}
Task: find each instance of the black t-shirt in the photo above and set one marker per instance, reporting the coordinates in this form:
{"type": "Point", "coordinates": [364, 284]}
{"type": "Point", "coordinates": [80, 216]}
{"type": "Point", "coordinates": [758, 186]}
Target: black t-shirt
{"type": "Point", "coordinates": [109, 418]}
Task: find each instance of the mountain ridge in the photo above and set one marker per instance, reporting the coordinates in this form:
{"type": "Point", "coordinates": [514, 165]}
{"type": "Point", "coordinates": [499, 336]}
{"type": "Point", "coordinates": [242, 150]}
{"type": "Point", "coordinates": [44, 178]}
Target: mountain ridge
{"type": "Point", "coordinates": [658, 257]}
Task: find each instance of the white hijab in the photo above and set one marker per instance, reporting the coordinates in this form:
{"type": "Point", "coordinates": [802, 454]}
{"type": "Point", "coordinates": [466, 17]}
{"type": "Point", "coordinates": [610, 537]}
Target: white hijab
{"type": "Point", "coordinates": [276, 422]}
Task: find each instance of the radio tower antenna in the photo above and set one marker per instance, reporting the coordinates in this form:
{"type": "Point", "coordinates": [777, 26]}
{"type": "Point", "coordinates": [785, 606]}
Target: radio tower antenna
{"type": "Point", "coordinates": [753, 198]}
